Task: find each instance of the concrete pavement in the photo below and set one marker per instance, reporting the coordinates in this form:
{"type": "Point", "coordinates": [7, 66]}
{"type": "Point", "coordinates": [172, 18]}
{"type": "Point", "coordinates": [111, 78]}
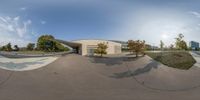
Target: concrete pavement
{"type": "Point", "coordinates": [24, 64]}
{"type": "Point", "coordinates": [196, 56]}
{"type": "Point", "coordinates": [75, 77]}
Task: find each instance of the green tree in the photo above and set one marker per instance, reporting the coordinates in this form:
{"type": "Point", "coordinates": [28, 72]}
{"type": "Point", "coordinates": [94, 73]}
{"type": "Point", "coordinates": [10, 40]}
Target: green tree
{"type": "Point", "coordinates": [171, 46]}
{"type": "Point", "coordinates": [30, 46]}
{"type": "Point", "coordinates": [48, 43]}
{"type": "Point", "coordinates": [183, 45]}
{"type": "Point", "coordinates": [44, 42]}
{"type": "Point", "coordinates": [16, 48]}
{"type": "Point", "coordinates": [101, 49]}
{"type": "Point", "coordinates": [180, 43]}
{"type": "Point", "coordinates": [8, 47]}
{"type": "Point", "coordinates": [161, 44]}
{"type": "Point", "coordinates": [136, 46]}
{"type": "Point", "coordinates": [3, 48]}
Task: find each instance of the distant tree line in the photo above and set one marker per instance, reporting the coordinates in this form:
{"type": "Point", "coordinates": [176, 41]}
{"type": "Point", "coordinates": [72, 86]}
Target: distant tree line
{"type": "Point", "coordinates": [45, 43]}
{"type": "Point", "coordinates": [179, 44]}
{"type": "Point", "coordinates": [7, 47]}
{"type": "Point", "coordinates": [138, 46]}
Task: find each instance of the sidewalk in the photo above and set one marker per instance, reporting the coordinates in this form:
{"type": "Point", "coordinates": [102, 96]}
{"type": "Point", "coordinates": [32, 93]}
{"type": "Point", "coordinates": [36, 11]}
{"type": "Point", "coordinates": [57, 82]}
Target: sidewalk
{"type": "Point", "coordinates": [25, 64]}
{"type": "Point", "coordinates": [196, 57]}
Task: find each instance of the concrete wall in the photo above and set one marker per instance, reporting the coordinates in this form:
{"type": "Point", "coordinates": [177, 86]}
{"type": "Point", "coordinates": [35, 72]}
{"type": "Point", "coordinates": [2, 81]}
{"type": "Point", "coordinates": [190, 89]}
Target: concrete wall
{"type": "Point", "coordinates": [113, 47]}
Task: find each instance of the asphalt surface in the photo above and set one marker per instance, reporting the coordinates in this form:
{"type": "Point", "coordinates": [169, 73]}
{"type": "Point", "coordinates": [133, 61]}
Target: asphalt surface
{"type": "Point", "coordinates": [74, 77]}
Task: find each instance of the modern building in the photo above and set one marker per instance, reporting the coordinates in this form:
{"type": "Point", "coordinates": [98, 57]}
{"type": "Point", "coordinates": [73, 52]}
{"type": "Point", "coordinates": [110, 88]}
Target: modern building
{"type": "Point", "coordinates": [123, 43]}
{"type": "Point", "coordinates": [194, 45]}
{"type": "Point", "coordinates": [150, 47]}
{"type": "Point", "coordinates": [87, 47]}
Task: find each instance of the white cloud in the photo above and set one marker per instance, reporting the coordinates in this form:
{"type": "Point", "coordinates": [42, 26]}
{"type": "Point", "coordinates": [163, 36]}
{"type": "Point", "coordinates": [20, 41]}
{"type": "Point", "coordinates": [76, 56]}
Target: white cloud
{"type": "Point", "coordinates": [150, 25]}
{"type": "Point", "coordinates": [195, 13]}
{"type": "Point", "coordinates": [43, 22]}
{"type": "Point", "coordinates": [3, 19]}
{"type": "Point", "coordinates": [16, 18]}
{"type": "Point", "coordinates": [23, 8]}
{"type": "Point", "coordinates": [10, 28]}
{"type": "Point", "coordinates": [28, 22]}
{"type": "Point", "coordinates": [15, 30]}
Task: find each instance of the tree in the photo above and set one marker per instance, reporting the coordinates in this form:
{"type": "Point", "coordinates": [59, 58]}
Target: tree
{"type": "Point", "coordinates": [30, 46]}
{"type": "Point", "coordinates": [3, 48]}
{"type": "Point", "coordinates": [45, 42]}
{"type": "Point", "coordinates": [183, 45]}
{"type": "Point", "coordinates": [161, 44]}
{"type": "Point", "coordinates": [8, 47]}
{"type": "Point", "coordinates": [16, 48]}
{"type": "Point", "coordinates": [180, 43]}
{"type": "Point", "coordinates": [48, 43]}
{"type": "Point", "coordinates": [171, 46]}
{"type": "Point", "coordinates": [101, 49]}
{"type": "Point", "coordinates": [136, 46]}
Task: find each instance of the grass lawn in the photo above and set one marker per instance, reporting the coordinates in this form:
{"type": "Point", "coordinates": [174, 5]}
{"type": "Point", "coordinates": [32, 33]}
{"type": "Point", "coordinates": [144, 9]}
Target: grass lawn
{"type": "Point", "coordinates": [181, 60]}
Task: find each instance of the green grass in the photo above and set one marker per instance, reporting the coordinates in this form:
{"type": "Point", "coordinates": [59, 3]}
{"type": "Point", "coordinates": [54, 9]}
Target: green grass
{"type": "Point", "coordinates": [181, 60]}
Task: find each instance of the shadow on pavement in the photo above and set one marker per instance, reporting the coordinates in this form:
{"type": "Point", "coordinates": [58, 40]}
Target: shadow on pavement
{"type": "Point", "coordinates": [110, 61]}
{"type": "Point", "coordinates": [138, 71]}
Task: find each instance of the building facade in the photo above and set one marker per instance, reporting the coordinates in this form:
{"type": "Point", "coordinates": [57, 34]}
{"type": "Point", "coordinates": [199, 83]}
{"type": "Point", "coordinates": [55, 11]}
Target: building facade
{"type": "Point", "coordinates": [124, 44]}
{"type": "Point", "coordinates": [88, 46]}
{"type": "Point", "coordinates": [194, 45]}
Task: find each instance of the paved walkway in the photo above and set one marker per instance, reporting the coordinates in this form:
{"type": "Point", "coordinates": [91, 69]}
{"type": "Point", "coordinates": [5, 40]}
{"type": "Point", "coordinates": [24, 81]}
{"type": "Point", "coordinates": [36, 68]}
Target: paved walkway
{"type": "Point", "coordinates": [196, 56]}
{"type": "Point", "coordinates": [75, 77]}
{"type": "Point", "coordinates": [25, 64]}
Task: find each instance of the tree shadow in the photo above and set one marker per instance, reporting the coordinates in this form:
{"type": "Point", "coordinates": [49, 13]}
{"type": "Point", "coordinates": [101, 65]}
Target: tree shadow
{"type": "Point", "coordinates": [106, 60]}
{"type": "Point", "coordinates": [138, 71]}
{"type": "Point", "coordinates": [128, 59]}
{"type": "Point", "coordinates": [110, 61]}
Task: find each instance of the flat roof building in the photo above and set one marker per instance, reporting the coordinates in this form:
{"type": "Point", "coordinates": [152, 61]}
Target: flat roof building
{"type": "Point", "coordinates": [87, 47]}
{"type": "Point", "coordinates": [194, 45]}
{"type": "Point", "coordinates": [124, 44]}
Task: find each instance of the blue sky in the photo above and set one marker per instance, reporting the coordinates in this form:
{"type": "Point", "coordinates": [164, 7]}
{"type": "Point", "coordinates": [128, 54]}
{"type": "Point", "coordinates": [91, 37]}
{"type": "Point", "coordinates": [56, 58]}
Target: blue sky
{"type": "Point", "coordinates": [23, 21]}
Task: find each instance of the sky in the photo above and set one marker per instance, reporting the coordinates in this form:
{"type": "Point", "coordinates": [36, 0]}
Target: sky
{"type": "Point", "coordinates": [23, 21]}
